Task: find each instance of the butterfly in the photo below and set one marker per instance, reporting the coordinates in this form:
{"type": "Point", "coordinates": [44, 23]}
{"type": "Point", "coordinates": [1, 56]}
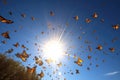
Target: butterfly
{"type": "Point", "coordinates": [41, 74]}
{"type": "Point", "coordinates": [23, 15]}
{"type": "Point", "coordinates": [9, 51]}
{"type": "Point", "coordinates": [23, 56]}
{"type": "Point", "coordinates": [38, 61]}
{"type": "Point", "coordinates": [112, 49]}
{"type": "Point", "coordinates": [4, 20]}
{"type": "Point", "coordinates": [16, 44]}
{"type": "Point", "coordinates": [52, 13]}
{"type": "Point", "coordinates": [33, 18]}
{"type": "Point", "coordinates": [88, 68]}
{"type": "Point", "coordinates": [89, 47]}
{"type": "Point", "coordinates": [10, 13]}
{"type": "Point", "coordinates": [59, 65]}
{"type": "Point", "coordinates": [31, 70]}
{"type": "Point", "coordinates": [6, 35]}
{"type": "Point", "coordinates": [76, 18]}
{"type": "Point", "coordinates": [99, 47]}
{"type": "Point", "coordinates": [115, 27]}
{"type": "Point", "coordinates": [95, 15]}
{"type": "Point", "coordinates": [87, 20]}
{"type": "Point", "coordinates": [23, 46]}
{"type": "Point", "coordinates": [89, 57]}
{"type": "Point", "coordinates": [77, 71]}
{"type": "Point", "coordinates": [49, 60]}
{"type": "Point", "coordinates": [4, 42]}
{"type": "Point", "coordinates": [79, 61]}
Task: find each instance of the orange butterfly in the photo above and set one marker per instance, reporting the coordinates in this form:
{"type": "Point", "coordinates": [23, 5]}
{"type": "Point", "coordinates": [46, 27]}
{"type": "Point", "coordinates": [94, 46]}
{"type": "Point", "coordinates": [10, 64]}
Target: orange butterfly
{"type": "Point", "coordinates": [31, 70]}
{"type": "Point", "coordinates": [16, 45]}
{"type": "Point", "coordinates": [99, 47]}
{"type": "Point", "coordinates": [89, 57]}
{"type": "Point", "coordinates": [38, 61]}
{"type": "Point", "coordinates": [112, 49]}
{"type": "Point", "coordinates": [79, 61]}
{"type": "Point", "coordinates": [116, 27]}
{"type": "Point", "coordinates": [23, 56]}
{"type": "Point", "coordinates": [87, 20]}
{"type": "Point", "coordinates": [2, 19]}
{"type": "Point", "coordinates": [59, 65]}
{"type": "Point", "coordinates": [95, 15]}
{"type": "Point", "coordinates": [76, 18]}
{"type": "Point", "coordinates": [6, 35]}
{"type": "Point", "coordinates": [41, 74]}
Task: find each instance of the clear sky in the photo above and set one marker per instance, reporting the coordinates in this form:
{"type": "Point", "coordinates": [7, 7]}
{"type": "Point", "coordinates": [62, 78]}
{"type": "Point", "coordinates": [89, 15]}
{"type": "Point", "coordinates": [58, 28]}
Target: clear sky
{"type": "Point", "coordinates": [76, 36]}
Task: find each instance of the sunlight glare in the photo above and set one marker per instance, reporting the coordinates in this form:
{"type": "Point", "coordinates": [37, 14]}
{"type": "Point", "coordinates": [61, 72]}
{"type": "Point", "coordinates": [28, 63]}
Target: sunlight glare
{"type": "Point", "coordinates": [53, 49]}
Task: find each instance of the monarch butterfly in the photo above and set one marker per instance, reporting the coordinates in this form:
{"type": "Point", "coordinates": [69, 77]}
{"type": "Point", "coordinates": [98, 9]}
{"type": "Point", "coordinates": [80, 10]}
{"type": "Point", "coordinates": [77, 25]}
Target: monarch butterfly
{"type": "Point", "coordinates": [49, 60]}
{"type": "Point", "coordinates": [76, 18]}
{"type": "Point", "coordinates": [52, 13]}
{"type": "Point", "coordinates": [99, 47]}
{"type": "Point", "coordinates": [79, 61]}
{"type": "Point", "coordinates": [4, 20]}
{"type": "Point", "coordinates": [87, 20]}
{"type": "Point", "coordinates": [95, 15]}
{"type": "Point", "coordinates": [6, 35]}
{"type": "Point", "coordinates": [59, 65]}
{"type": "Point", "coordinates": [89, 57]}
{"type": "Point", "coordinates": [112, 49]}
{"type": "Point", "coordinates": [41, 74]}
{"type": "Point", "coordinates": [16, 44]}
{"type": "Point", "coordinates": [38, 61]}
{"type": "Point", "coordinates": [23, 56]}
{"type": "Point", "coordinates": [31, 70]}
{"type": "Point", "coordinates": [116, 27]}
{"type": "Point", "coordinates": [32, 18]}
{"type": "Point", "coordinates": [77, 71]}
{"type": "Point", "coordinates": [23, 15]}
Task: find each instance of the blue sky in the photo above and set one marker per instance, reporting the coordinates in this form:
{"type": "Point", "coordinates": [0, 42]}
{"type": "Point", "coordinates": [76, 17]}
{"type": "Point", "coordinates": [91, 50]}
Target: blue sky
{"type": "Point", "coordinates": [64, 13]}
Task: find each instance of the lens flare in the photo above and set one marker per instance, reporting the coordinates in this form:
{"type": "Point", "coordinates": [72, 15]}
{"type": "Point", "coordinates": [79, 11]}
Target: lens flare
{"type": "Point", "coordinates": [53, 49]}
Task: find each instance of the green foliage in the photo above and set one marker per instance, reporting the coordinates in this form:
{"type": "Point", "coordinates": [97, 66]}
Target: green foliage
{"type": "Point", "coordinates": [12, 70]}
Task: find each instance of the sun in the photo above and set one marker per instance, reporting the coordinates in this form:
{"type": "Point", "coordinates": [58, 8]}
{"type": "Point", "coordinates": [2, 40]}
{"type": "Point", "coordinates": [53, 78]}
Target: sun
{"type": "Point", "coordinates": [53, 49]}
